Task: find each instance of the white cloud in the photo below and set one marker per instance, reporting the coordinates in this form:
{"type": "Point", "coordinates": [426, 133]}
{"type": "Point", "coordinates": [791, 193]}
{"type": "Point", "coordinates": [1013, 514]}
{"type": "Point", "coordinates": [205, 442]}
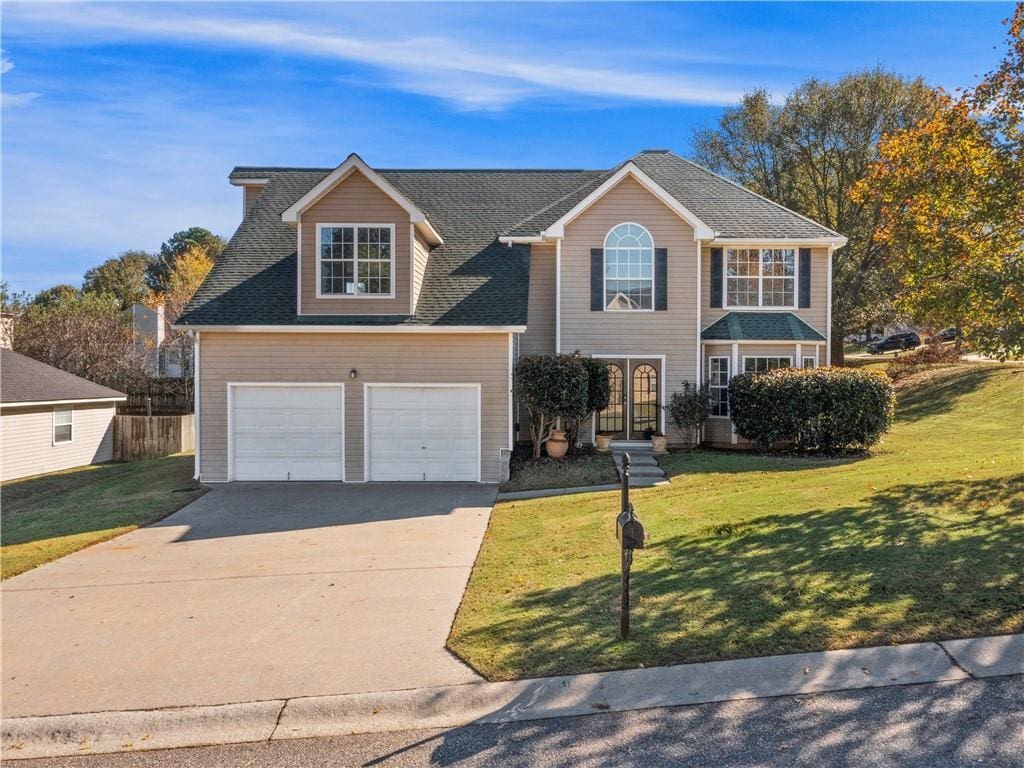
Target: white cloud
{"type": "Point", "coordinates": [6, 65]}
{"type": "Point", "coordinates": [438, 66]}
{"type": "Point", "coordinates": [11, 100]}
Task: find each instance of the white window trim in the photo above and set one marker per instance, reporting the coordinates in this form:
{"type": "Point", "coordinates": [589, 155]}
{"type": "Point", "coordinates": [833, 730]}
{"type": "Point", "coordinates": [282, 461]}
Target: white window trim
{"type": "Point", "coordinates": [70, 409]}
{"type": "Point", "coordinates": [805, 358]}
{"type": "Point", "coordinates": [320, 295]}
{"type": "Point", "coordinates": [604, 269]}
{"type": "Point", "coordinates": [767, 357]}
{"type": "Point", "coordinates": [760, 280]}
{"type": "Point", "coordinates": [728, 377]}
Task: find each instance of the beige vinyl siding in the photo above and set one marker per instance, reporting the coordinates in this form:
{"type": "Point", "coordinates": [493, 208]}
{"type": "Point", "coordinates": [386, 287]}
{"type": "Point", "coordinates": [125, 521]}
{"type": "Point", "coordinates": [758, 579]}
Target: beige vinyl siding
{"type": "Point", "coordinates": [814, 315]}
{"type": "Point", "coordinates": [26, 435]}
{"type": "Point", "coordinates": [356, 200]}
{"type": "Point", "coordinates": [420, 254]}
{"type": "Point", "coordinates": [539, 338]}
{"type": "Point", "coordinates": [251, 195]}
{"type": "Point", "coordinates": [673, 332]}
{"type": "Point", "coordinates": [379, 358]}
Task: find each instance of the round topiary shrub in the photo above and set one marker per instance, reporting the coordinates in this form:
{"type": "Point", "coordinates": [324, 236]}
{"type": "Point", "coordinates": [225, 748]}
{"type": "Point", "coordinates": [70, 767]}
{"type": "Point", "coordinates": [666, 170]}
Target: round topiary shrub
{"type": "Point", "coordinates": [553, 387]}
{"type": "Point", "coordinates": [821, 409]}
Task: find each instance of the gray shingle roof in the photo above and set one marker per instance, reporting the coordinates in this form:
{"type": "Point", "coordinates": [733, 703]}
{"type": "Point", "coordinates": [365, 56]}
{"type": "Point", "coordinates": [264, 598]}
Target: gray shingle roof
{"type": "Point", "coordinates": [24, 380]}
{"type": "Point", "coordinates": [760, 326]}
{"type": "Point", "coordinates": [471, 279]}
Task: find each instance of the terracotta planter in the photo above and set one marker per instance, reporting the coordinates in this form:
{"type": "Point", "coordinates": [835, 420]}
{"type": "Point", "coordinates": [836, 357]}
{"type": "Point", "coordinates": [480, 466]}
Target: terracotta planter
{"type": "Point", "coordinates": [557, 445]}
{"type": "Point", "coordinates": [604, 443]}
{"type": "Point", "coordinates": [659, 443]}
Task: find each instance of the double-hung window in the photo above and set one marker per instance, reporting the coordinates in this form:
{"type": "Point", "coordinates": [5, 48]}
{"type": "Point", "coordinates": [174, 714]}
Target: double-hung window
{"type": "Point", "coordinates": [356, 259]}
{"type": "Point", "coordinates": [628, 268]}
{"type": "Point", "coordinates": [718, 385]}
{"type": "Point", "coordinates": [62, 423]}
{"type": "Point", "coordinates": [810, 362]}
{"type": "Point", "coordinates": [763, 364]}
{"type": "Point", "coordinates": [760, 277]}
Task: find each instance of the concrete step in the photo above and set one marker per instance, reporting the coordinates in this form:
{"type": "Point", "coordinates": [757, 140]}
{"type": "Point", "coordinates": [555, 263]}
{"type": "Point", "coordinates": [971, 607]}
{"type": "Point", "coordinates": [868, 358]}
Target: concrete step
{"type": "Point", "coordinates": [644, 472]}
{"type": "Point", "coordinates": [638, 461]}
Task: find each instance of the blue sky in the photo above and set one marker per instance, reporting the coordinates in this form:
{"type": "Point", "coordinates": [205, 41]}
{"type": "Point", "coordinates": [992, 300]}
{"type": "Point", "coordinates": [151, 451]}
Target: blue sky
{"type": "Point", "coordinates": [122, 121]}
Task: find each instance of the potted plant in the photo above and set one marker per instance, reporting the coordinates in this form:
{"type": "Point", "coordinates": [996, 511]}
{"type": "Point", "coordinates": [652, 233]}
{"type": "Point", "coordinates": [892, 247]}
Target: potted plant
{"type": "Point", "coordinates": [557, 445]}
{"type": "Point", "coordinates": [604, 441]}
{"type": "Point", "coordinates": [659, 441]}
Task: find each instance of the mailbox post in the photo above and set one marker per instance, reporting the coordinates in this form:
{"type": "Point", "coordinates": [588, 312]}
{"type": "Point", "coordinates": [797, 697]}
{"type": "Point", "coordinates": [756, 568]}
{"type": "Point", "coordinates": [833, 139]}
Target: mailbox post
{"type": "Point", "coordinates": [630, 534]}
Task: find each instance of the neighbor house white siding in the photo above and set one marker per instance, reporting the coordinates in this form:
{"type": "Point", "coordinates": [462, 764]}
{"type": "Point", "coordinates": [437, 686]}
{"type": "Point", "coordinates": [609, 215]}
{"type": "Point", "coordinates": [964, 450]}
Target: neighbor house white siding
{"type": "Point", "coordinates": [26, 435]}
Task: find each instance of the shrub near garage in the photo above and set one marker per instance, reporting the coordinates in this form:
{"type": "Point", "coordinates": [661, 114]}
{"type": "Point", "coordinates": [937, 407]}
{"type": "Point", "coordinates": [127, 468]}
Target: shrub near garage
{"type": "Point", "coordinates": [823, 409]}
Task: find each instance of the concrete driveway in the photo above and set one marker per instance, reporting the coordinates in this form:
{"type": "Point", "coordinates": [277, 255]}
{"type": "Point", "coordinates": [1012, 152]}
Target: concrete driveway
{"type": "Point", "coordinates": [254, 591]}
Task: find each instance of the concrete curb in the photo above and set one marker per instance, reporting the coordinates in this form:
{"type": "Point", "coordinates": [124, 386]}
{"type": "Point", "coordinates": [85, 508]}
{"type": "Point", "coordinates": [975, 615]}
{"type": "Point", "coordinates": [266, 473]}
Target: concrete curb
{"type": "Point", "coordinates": [476, 703]}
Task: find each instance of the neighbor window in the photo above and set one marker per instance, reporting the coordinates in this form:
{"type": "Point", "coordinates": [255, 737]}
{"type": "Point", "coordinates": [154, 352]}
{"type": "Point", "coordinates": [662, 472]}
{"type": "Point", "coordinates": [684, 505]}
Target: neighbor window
{"type": "Point", "coordinates": [762, 364]}
{"type": "Point", "coordinates": [356, 259]}
{"type": "Point", "coordinates": [718, 384]}
{"type": "Point", "coordinates": [62, 415]}
{"type": "Point", "coordinates": [628, 268]}
{"type": "Point", "coordinates": [760, 277]}
{"type": "Point", "coordinates": [810, 362]}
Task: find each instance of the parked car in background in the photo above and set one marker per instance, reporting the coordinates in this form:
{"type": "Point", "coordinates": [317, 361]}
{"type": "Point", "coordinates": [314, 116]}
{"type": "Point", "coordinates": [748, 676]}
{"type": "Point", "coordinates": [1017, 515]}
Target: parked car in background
{"type": "Point", "coordinates": [895, 341]}
{"type": "Point", "coordinates": [946, 334]}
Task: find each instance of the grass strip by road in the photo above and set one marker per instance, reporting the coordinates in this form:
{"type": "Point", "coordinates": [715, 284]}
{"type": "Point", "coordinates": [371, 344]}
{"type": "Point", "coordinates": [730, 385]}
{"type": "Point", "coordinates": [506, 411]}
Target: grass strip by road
{"type": "Point", "coordinates": [49, 516]}
{"type": "Point", "coordinates": [753, 555]}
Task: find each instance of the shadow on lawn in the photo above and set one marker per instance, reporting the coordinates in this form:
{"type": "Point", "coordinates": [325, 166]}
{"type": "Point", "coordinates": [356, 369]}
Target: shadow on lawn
{"type": "Point", "coordinates": [939, 392]}
{"type": "Point", "coordinates": [936, 560]}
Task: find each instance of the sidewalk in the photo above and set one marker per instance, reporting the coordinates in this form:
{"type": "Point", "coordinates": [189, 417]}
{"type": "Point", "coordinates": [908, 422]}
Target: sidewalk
{"type": "Point", "coordinates": [542, 698]}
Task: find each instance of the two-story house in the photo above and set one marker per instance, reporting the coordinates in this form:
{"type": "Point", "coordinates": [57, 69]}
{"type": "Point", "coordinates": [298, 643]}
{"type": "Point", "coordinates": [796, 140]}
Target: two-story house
{"type": "Point", "coordinates": [363, 324]}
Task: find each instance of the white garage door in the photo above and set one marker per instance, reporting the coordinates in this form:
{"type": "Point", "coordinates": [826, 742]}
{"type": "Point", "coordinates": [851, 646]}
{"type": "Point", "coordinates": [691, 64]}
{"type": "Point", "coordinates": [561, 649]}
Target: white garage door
{"type": "Point", "coordinates": [423, 433]}
{"type": "Point", "coordinates": [291, 432]}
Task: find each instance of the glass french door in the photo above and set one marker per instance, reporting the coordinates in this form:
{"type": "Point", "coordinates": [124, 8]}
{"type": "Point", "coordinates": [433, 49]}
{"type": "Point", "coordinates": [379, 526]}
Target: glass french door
{"type": "Point", "coordinates": [634, 404]}
{"type": "Point", "coordinates": [612, 419]}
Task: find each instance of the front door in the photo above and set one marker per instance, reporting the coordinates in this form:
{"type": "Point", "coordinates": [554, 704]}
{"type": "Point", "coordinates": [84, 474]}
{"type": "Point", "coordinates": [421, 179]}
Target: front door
{"type": "Point", "coordinates": [634, 406]}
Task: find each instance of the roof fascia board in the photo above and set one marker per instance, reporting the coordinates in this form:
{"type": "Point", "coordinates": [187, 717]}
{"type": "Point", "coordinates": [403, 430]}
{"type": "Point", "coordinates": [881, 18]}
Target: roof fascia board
{"type": "Point", "coordinates": [355, 163]}
{"type": "Point", "coordinates": [505, 240]}
{"type": "Point", "coordinates": [427, 329]}
{"type": "Point", "coordinates": [833, 242]}
{"type": "Point", "coordinates": [248, 182]}
{"type": "Point", "coordinates": [80, 401]}
{"type": "Point", "coordinates": [701, 231]}
{"type": "Point", "coordinates": [779, 342]}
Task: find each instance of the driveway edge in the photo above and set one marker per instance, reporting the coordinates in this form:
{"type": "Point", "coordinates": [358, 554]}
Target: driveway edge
{"type": "Point", "coordinates": [541, 698]}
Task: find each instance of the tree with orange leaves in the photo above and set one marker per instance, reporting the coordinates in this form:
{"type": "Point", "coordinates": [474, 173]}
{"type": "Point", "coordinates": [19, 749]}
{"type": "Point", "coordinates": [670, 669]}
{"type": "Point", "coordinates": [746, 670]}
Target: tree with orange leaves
{"type": "Point", "coordinates": [951, 195]}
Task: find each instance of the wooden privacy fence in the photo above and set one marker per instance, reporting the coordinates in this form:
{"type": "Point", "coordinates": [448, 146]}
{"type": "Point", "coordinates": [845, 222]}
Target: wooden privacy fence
{"type": "Point", "coordinates": [147, 437]}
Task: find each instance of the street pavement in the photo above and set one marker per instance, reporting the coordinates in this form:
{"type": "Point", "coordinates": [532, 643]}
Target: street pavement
{"type": "Point", "coordinates": [938, 725]}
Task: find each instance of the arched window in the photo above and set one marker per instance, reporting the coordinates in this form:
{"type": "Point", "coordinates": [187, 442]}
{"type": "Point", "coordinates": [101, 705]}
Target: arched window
{"type": "Point", "coordinates": [628, 268]}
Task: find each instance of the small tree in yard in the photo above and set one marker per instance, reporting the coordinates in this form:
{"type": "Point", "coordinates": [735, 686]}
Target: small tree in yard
{"type": "Point", "coordinates": [598, 392]}
{"type": "Point", "coordinates": [553, 387]}
{"type": "Point", "coordinates": [688, 409]}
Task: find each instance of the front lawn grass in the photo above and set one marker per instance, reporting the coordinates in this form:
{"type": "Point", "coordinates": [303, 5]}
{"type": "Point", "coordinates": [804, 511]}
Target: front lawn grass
{"type": "Point", "coordinates": [576, 471]}
{"type": "Point", "coordinates": [49, 516]}
{"type": "Point", "coordinates": [752, 555]}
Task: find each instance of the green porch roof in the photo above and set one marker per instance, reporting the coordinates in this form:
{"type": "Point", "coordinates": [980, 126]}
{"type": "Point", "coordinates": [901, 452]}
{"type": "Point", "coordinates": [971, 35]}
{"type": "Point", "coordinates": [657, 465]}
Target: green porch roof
{"type": "Point", "coordinates": [760, 326]}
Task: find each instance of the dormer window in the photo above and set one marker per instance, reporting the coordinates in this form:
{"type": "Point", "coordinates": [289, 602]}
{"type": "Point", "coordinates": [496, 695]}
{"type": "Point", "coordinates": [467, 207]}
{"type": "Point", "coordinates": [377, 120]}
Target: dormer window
{"type": "Point", "coordinates": [355, 260]}
{"type": "Point", "coordinates": [628, 268]}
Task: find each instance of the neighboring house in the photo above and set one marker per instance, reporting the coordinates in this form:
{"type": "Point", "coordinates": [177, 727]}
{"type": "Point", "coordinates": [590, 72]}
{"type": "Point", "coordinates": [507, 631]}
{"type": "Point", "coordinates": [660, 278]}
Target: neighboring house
{"type": "Point", "coordinates": [363, 324]}
{"type": "Point", "coordinates": [162, 359]}
{"type": "Point", "coordinates": [50, 419]}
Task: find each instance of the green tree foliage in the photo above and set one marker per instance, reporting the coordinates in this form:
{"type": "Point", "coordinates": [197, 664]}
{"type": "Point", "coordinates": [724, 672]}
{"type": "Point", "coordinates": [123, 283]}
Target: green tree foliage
{"type": "Point", "coordinates": [553, 387]}
{"type": "Point", "coordinates": [55, 295]}
{"type": "Point", "coordinates": [821, 409]}
{"type": "Point", "coordinates": [86, 334]}
{"type": "Point", "coordinates": [807, 153]}
{"type": "Point", "coordinates": [950, 191]}
{"type": "Point", "coordinates": [123, 277]}
{"type": "Point", "coordinates": [688, 408]}
{"type": "Point", "coordinates": [598, 392]}
{"type": "Point", "coordinates": [158, 274]}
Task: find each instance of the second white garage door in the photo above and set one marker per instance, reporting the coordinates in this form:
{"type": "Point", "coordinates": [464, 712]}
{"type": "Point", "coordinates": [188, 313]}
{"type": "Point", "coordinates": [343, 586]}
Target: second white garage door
{"type": "Point", "coordinates": [422, 433]}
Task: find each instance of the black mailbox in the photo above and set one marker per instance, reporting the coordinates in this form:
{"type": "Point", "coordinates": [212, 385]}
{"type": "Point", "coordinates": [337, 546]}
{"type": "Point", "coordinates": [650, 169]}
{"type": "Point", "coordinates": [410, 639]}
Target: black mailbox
{"type": "Point", "coordinates": [628, 530]}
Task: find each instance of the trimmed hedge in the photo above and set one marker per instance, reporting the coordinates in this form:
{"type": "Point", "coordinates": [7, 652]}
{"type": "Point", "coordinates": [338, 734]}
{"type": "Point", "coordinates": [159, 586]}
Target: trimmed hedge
{"type": "Point", "coordinates": [822, 409]}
